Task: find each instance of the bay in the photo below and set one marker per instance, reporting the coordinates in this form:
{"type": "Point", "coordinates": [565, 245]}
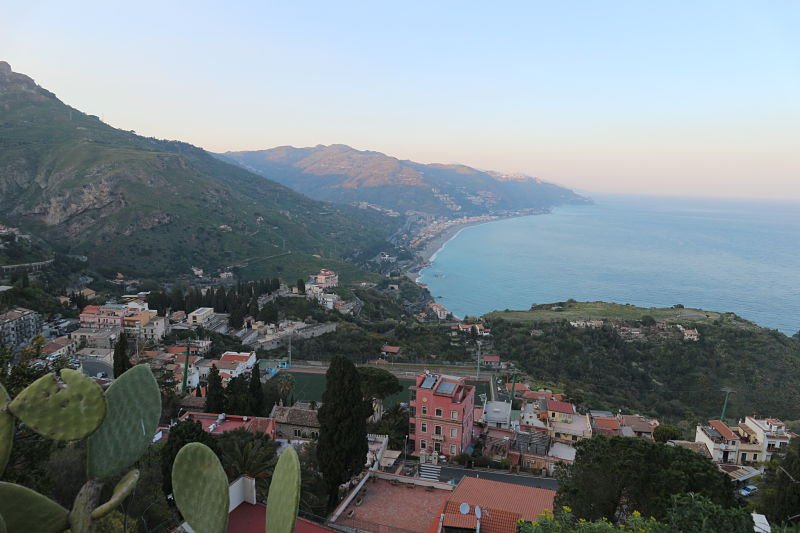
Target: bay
{"type": "Point", "coordinates": [721, 255]}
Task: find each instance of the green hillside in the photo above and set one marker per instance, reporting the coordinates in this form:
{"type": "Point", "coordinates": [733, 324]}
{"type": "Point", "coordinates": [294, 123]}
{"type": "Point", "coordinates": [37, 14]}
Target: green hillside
{"type": "Point", "coordinates": [656, 371]}
{"type": "Point", "coordinates": [154, 208]}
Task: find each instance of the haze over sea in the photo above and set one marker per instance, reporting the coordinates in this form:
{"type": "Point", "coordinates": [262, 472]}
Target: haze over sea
{"type": "Point", "coordinates": [722, 255]}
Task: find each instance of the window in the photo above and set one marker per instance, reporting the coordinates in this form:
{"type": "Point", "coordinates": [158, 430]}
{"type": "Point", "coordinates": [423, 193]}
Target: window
{"type": "Point", "coordinates": [437, 447]}
{"type": "Point", "coordinates": [438, 412]}
{"type": "Point", "coordinates": [453, 432]}
{"type": "Point", "coordinates": [755, 457]}
{"type": "Point", "coordinates": [424, 428]}
{"type": "Point", "coordinates": [453, 415]}
{"type": "Point", "coordinates": [744, 457]}
{"type": "Point", "coordinates": [452, 449]}
{"type": "Point", "coordinates": [437, 430]}
{"type": "Point", "coordinates": [296, 432]}
{"type": "Point", "coordinates": [422, 445]}
{"type": "Point", "coordinates": [424, 410]}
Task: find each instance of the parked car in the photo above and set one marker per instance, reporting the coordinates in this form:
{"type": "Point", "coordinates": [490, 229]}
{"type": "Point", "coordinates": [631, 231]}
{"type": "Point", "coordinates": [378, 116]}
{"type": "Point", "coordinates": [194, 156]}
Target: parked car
{"type": "Point", "coordinates": [749, 490]}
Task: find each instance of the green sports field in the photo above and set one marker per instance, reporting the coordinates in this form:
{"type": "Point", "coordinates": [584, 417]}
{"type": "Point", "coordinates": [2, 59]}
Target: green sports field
{"type": "Point", "coordinates": [310, 387]}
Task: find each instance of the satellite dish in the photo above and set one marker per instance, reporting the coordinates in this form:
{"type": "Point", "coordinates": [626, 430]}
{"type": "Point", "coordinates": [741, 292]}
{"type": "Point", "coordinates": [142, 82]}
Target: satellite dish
{"type": "Point", "coordinates": [478, 512]}
{"type": "Point", "coordinates": [463, 508]}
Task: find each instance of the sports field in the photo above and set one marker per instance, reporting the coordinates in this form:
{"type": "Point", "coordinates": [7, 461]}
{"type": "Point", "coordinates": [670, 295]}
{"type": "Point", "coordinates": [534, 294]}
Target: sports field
{"type": "Point", "coordinates": [310, 387]}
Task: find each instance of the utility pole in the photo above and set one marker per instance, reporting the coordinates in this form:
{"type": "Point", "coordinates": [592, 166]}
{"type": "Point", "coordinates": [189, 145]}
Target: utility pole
{"type": "Point", "coordinates": [290, 350]}
{"type": "Point", "coordinates": [727, 391]}
{"type": "Point", "coordinates": [478, 366]}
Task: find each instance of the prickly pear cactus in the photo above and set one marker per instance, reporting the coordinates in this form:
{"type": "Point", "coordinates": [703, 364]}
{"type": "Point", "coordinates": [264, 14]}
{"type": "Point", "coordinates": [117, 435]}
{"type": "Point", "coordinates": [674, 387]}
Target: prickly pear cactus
{"type": "Point", "coordinates": [6, 431]}
{"type": "Point", "coordinates": [2, 525]}
{"type": "Point", "coordinates": [134, 407]}
{"type": "Point", "coordinates": [200, 487]}
{"type": "Point", "coordinates": [284, 494]}
{"type": "Point", "coordinates": [67, 409]}
{"type": "Point", "coordinates": [121, 491]}
{"type": "Point", "coordinates": [23, 509]}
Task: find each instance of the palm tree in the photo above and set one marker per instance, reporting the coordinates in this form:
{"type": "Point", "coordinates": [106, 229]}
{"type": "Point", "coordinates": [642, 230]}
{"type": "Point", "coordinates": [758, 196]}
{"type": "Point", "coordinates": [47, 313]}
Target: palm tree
{"type": "Point", "coordinates": [284, 386]}
{"type": "Point", "coordinates": [243, 453]}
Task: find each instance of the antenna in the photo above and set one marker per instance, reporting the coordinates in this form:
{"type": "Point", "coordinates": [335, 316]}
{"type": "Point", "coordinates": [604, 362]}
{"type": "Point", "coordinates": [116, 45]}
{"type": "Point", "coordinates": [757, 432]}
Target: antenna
{"type": "Point", "coordinates": [478, 512]}
{"type": "Point", "coordinates": [463, 508]}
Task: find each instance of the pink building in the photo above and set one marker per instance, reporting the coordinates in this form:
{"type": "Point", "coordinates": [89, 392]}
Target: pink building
{"type": "Point", "coordinates": [442, 411]}
{"type": "Point", "coordinates": [104, 316]}
{"type": "Point", "coordinates": [326, 279]}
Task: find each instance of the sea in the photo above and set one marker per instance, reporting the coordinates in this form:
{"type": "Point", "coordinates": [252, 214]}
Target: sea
{"type": "Point", "coordinates": [716, 254]}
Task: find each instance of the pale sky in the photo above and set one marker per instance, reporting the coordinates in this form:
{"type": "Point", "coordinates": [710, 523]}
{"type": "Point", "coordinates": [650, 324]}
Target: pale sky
{"type": "Point", "coordinates": [678, 98]}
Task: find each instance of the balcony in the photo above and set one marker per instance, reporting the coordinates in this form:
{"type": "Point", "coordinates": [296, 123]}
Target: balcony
{"type": "Point", "coordinates": [437, 437]}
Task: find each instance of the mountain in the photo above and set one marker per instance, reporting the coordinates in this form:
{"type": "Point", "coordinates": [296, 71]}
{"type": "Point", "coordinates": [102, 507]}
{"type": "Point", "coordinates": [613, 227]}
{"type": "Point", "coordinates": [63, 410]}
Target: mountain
{"type": "Point", "coordinates": [338, 173]}
{"type": "Point", "coordinates": [154, 208]}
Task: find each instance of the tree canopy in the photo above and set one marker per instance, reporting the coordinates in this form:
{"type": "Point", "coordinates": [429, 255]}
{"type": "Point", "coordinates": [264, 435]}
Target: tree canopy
{"type": "Point", "coordinates": [215, 395]}
{"type": "Point", "coordinates": [780, 491]}
{"type": "Point", "coordinates": [611, 478]}
{"type": "Point", "coordinates": [121, 360]}
{"type": "Point", "coordinates": [342, 446]}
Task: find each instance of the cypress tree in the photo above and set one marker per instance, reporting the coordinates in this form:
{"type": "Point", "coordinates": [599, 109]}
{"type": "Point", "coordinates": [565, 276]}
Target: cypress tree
{"type": "Point", "coordinates": [343, 428]}
{"type": "Point", "coordinates": [215, 396]}
{"type": "Point", "coordinates": [256, 393]}
{"type": "Point", "coordinates": [121, 360]}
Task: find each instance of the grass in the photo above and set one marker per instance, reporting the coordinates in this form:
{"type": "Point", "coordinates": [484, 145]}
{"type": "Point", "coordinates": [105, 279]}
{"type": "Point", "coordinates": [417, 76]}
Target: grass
{"type": "Point", "coordinates": [603, 310]}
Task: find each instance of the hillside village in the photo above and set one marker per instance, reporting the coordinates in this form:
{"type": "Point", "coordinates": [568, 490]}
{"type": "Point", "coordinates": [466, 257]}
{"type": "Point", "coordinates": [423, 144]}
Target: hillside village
{"type": "Point", "coordinates": [519, 432]}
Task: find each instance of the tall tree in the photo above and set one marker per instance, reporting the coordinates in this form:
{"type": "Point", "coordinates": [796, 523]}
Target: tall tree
{"type": "Point", "coordinates": [343, 429]}
{"type": "Point", "coordinates": [376, 385]}
{"type": "Point", "coordinates": [256, 393]}
{"type": "Point", "coordinates": [237, 396]}
{"type": "Point", "coordinates": [121, 360]}
{"type": "Point", "coordinates": [301, 286]}
{"type": "Point", "coordinates": [780, 492]}
{"type": "Point", "coordinates": [215, 394]}
{"type": "Point", "coordinates": [588, 489]}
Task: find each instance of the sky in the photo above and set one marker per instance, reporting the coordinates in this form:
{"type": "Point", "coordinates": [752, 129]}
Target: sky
{"type": "Point", "coordinates": [671, 98]}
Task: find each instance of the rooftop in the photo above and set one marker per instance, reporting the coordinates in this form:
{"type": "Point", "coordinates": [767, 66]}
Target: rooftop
{"type": "Point", "coordinates": [295, 416]}
{"type": "Point", "coordinates": [396, 506]}
{"type": "Point", "coordinates": [499, 500]}
{"type": "Point", "coordinates": [560, 407]}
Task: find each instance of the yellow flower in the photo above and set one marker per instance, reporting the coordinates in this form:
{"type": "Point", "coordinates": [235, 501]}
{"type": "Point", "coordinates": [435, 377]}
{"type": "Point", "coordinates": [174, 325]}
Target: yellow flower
{"type": "Point", "coordinates": [566, 509]}
{"type": "Point", "coordinates": [637, 514]}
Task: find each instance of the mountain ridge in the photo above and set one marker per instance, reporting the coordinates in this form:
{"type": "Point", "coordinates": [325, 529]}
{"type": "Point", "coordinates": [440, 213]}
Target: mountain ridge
{"type": "Point", "coordinates": [339, 173]}
{"type": "Point", "coordinates": [153, 207]}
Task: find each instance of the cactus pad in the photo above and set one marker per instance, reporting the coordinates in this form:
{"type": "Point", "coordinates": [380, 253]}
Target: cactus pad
{"type": "Point", "coordinates": [134, 407]}
{"type": "Point", "coordinates": [2, 525]}
{"type": "Point", "coordinates": [284, 494]}
{"type": "Point", "coordinates": [67, 410]}
{"type": "Point", "coordinates": [23, 509]}
{"type": "Point", "coordinates": [6, 430]}
{"type": "Point", "coordinates": [121, 491]}
{"type": "Point", "coordinates": [200, 487]}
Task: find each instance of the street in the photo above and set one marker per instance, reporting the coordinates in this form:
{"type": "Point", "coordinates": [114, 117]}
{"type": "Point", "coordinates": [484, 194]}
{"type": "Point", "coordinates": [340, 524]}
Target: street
{"type": "Point", "coordinates": [456, 473]}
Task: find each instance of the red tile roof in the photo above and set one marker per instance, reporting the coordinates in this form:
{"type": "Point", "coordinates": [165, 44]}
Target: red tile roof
{"type": "Point", "coordinates": [502, 503]}
{"type": "Point", "coordinates": [390, 349]}
{"type": "Point", "coordinates": [518, 387]}
{"type": "Point", "coordinates": [491, 358]}
{"type": "Point", "coordinates": [233, 356]}
{"type": "Point", "coordinates": [723, 429]}
{"type": "Point", "coordinates": [608, 424]}
{"type": "Point", "coordinates": [560, 407]}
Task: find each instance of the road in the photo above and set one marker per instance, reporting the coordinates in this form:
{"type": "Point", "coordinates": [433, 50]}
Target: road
{"type": "Point", "coordinates": [455, 473]}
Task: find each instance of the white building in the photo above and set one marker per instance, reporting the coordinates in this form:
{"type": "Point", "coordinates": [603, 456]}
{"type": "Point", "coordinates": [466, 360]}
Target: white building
{"type": "Point", "coordinates": [201, 316]}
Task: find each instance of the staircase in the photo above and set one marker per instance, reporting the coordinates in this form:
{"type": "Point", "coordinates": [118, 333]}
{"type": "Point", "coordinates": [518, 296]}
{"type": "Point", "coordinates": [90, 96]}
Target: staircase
{"type": "Point", "coordinates": [429, 472]}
